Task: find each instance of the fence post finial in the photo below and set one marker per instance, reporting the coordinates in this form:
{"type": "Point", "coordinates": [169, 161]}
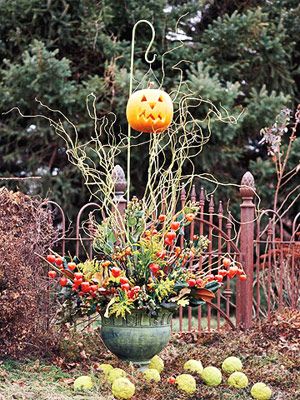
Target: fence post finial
{"type": "Point", "coordinates": [118, 176]}
{"type": "Point", "coordinates": [247, 188]}
{"type": "Point", "coordinates": [244, 296]}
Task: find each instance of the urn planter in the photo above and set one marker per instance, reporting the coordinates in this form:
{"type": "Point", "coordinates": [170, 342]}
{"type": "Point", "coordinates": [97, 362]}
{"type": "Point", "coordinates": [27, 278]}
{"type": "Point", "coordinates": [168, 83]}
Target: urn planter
{"type": "Point", "coordinates": [137, 337]}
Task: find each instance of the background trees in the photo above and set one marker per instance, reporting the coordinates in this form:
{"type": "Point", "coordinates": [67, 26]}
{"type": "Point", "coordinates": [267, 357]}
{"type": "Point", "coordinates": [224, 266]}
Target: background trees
{"type": "Point", "coordinates": [242, 54]}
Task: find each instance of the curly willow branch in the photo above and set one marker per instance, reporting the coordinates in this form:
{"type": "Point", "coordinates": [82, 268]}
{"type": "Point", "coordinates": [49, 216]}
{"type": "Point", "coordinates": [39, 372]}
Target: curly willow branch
{"type": "Point", "coordinates": [168, 152]}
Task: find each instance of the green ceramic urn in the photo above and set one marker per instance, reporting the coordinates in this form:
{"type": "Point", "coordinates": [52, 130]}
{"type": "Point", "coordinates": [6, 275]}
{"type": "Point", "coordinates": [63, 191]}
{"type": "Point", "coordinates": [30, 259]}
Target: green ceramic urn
{"type": "Point", "coordinates": [138, 337]}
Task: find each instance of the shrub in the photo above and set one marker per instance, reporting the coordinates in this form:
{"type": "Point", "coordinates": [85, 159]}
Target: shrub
{"type": "Point", "coordinates": [25, 230]}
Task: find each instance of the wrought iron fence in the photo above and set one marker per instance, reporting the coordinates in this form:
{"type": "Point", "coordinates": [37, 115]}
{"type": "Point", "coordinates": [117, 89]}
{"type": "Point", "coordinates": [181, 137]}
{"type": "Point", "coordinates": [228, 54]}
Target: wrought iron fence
{"type": "Point", "coordinates": [276, 264]}
{"type": "Point", "coordinates": [270, 259]}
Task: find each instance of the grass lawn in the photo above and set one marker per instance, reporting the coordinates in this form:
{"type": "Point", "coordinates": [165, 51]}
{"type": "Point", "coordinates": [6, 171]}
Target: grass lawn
{"type": "Point", "coordinates": [270, 353]}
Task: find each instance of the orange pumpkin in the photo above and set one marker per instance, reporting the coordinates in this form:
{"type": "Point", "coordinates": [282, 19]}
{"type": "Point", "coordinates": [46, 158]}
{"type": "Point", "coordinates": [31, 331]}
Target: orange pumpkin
{"type": "Point", "coordinates": [149, 110]}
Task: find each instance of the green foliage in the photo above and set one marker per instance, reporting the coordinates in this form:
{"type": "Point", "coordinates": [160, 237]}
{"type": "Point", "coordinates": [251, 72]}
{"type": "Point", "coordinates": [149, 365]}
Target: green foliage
{"type": "Point", "coordinates": [252, 46]}
{"type": "Point", "coordinates": [21, 82]}
{"type": "Point", "coordinates": [241, 56]}
{"type": "Point", "coordinates": [138, 269]}
{"type": "Point", "coordinates": [120, 306]}
{"type": "Point", "coordinates": [262, 107]}
{"type": "Point", "coordinates": [163, 289]}
{"type": "Point", "coordinates": [275, 174]}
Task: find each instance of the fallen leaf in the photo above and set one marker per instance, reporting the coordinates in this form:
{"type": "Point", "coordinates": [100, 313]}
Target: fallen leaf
{"type": "Point", "coordinates": [67, 381]}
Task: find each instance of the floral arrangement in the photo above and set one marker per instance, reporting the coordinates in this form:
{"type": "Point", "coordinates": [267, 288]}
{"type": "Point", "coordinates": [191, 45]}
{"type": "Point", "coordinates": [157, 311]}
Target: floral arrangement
{"type": "Point", "coordinates": [140, 266]}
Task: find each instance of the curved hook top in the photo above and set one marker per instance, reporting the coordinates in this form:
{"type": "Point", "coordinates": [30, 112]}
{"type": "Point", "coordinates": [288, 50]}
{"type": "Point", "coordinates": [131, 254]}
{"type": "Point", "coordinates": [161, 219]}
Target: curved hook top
{"type": "Point", "coordinates": [146, 53]}
{"type": "Point", "coordinates": [149, 45]}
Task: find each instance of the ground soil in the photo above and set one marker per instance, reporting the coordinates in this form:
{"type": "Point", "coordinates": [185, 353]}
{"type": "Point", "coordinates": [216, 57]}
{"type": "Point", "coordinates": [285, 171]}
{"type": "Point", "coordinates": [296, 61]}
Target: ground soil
{"type": "Point", "coordinates": [270, 353]}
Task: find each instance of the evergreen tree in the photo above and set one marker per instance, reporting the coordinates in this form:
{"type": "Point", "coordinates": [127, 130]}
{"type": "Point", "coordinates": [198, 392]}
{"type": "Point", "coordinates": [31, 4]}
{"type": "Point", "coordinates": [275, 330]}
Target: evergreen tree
{"type": "Point", "coordinates": [242, 55]}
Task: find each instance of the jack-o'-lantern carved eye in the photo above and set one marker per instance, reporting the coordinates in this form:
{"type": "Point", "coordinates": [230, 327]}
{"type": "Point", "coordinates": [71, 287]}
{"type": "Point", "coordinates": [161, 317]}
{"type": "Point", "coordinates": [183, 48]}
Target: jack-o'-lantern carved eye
{"type": "Point", "coordinates": [149, 110]}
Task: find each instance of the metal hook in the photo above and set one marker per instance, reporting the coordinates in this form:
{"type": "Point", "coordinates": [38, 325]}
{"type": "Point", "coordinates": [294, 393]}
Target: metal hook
{"type": "Point", "coordinates": [151, 41]}
{"type": "Point", "coordinates": [130, 88]}
{"type": "Point", "coordinates": [147, 51]}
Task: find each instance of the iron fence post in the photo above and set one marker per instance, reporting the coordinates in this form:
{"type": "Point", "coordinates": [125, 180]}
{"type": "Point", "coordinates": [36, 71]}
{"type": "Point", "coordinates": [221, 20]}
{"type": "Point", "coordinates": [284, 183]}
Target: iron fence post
{"type": "Point", "coordinates": [244, 295]}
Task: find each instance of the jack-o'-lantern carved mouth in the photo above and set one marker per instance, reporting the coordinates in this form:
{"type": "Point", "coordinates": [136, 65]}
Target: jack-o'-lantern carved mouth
{"type": "Point", "coordinates": [151, 117]}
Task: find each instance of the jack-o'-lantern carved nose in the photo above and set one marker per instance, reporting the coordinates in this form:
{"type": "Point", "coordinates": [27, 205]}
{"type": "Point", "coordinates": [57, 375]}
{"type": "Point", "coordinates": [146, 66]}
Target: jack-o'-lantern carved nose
{"type": "Point", "coordinates": [152, 104]}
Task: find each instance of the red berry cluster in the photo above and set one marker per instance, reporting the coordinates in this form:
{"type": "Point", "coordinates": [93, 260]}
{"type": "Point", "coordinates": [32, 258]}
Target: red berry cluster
{"type": "Point", "coordinates": [229, 269]}
{"type": "Point", "coordinates": [77, 282]}
{"type": "Point", "coordinates": [132, 291]}
{"type": "Point", "coordinates": [170, 236]}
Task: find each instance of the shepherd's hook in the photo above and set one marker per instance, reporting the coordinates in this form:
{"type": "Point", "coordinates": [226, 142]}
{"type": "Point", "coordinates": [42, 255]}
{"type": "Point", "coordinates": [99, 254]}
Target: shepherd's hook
{"type": "Point", "coordinates": [130, 88]}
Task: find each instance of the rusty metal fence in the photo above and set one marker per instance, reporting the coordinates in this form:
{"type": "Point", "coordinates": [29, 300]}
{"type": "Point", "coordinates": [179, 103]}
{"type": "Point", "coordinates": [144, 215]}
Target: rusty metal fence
{"type": "Point", "coordinates": [270, 259]}
{"type": "Point", "coordinates": [276, 264]}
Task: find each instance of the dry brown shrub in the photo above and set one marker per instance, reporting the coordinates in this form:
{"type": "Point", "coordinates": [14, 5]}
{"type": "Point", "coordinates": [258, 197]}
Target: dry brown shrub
{"type": "Point", "coordinates": [25, 229]}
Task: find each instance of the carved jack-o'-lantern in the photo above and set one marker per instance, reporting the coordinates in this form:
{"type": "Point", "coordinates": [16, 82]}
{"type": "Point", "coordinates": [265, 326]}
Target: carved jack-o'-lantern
{"type": "Point", "coordinates": [149, 110]}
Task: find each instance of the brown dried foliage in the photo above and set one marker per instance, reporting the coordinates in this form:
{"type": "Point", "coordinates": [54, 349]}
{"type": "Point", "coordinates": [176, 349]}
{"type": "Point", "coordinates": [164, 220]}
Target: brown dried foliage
{"type": "Point", "coordinates": [25, 229]}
